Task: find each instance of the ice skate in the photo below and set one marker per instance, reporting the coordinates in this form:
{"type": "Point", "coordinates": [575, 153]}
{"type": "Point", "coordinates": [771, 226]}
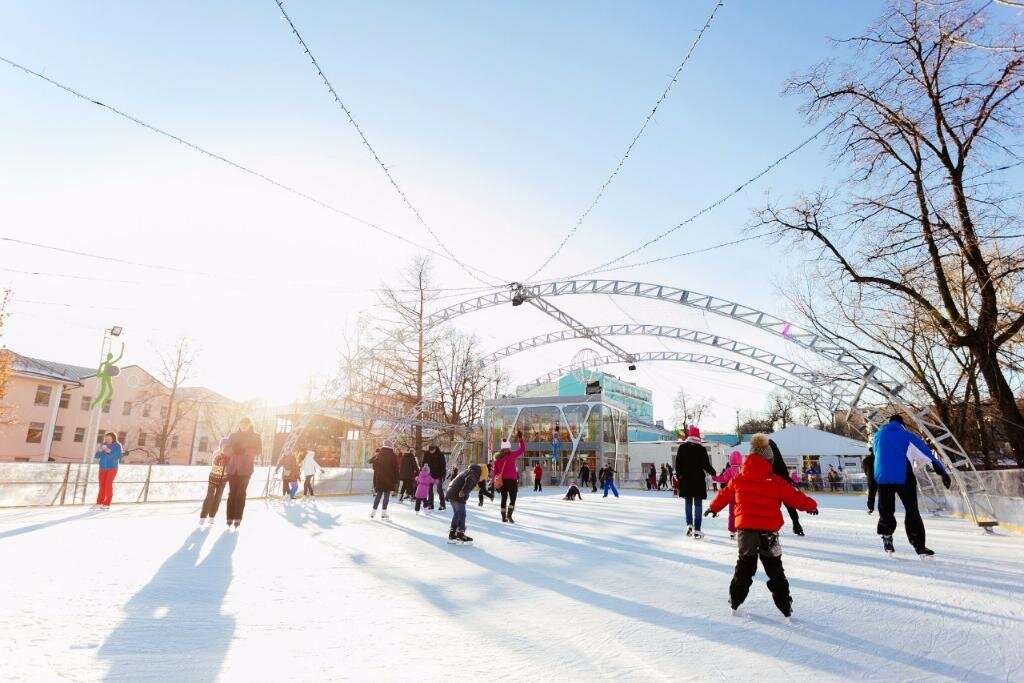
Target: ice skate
{"type": "Point", "coordinates": [373, 513]}
{"type": "Point", "coordinates": [732, 535]}
{"type": "Point", "coordinates": [510, 509]}
{"type": "Point", "coordinates": [887, 544]}
{"type": "Point", "coordinates": [451, 537]}
{"type": "Point", "coordinates": [462, 538]}
{"type": "Point", "coordinates": [698, 534]}
{"type": "Point", "coordinates": [798, 530]}
{"type": "Point", "coordinates": [504, 515]}
{"type": "Point", "coordinates": [237, 522]}
{"type": "Point", "coordinates": [384, 516]}
{"type": "Point", "coordinates": [924, 552]}
{"type": "Point", "coordinates": [689, 530]}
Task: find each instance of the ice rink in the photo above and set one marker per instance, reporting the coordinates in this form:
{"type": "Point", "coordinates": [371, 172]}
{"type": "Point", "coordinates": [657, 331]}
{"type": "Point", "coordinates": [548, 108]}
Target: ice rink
{"type": "Point", "coordinates": [598, 589]}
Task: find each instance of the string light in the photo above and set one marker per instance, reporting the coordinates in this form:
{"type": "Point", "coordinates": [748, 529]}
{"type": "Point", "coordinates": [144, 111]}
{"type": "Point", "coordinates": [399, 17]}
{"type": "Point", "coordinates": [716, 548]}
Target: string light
{"type": "Point", "coordinates": [373, 152]}
{"type": "Point", "coordinates": [629, 149]}
{"type": "Point", "coordinates": [229, 162]}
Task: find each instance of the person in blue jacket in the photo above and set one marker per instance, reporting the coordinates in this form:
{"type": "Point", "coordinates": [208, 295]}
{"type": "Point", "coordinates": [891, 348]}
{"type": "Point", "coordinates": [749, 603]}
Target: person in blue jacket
{"type": "Point", "coordinates": [894, 446]}
{"type": "Point", "coordinates": [109, 454]}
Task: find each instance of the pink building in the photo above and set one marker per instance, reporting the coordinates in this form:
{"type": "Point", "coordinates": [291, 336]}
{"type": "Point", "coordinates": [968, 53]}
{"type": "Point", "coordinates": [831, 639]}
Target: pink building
{"type": "Point", "coordinates": [49, 404]}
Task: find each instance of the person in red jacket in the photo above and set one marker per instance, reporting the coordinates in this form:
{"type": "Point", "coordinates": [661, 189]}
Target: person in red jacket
{"type": "Point", "coordinates": [538, 477]}
{"type": "Point", "coordinates": [757, 495]}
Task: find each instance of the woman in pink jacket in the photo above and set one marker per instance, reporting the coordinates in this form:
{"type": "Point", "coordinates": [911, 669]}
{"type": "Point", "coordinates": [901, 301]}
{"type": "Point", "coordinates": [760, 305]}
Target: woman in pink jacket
{"type": "Point", "coordinates": [735, 460]}
{"type": "Point", "coordinates": [505, 467]}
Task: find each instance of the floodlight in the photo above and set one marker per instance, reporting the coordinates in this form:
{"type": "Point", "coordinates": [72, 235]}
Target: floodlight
{"type": "Point", "coordinates": [116, 330]}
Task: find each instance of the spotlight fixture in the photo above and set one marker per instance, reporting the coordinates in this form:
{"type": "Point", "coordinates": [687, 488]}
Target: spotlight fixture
{"type": "Point", "coordinates": [116, 330]}
{"type": "Point", "coordinates": [518, 295]}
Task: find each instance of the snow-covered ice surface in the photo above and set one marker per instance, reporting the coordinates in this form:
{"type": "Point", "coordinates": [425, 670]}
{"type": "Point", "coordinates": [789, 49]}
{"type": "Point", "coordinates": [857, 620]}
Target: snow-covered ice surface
{"type": "Point", "coordinates": [597, 589]}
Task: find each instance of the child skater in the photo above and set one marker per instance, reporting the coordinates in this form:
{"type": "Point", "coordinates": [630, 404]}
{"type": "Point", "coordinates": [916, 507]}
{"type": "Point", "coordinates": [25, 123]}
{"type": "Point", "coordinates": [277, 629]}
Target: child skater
{"type": "Point", "coordinates": [573, 493]}
{"type": "Point", "coordinates": [424, 482]}
{"type": "Point", "coordinates": [757, 495]}
{"type": "Point", "coordinates": [735, 460]}
{"type": "Point", "coordinates": [458, 493]}
{"type": "Point", "coordinates": [215, 488]}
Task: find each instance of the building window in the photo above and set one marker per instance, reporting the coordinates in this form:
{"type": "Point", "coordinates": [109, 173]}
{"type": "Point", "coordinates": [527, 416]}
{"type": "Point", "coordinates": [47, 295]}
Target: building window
{"type": "Point", "coordinates": [21, 460]}
{"type": "Point", "coordinates": [43, 395]}
{"type": "Point", "coordinates": [142, 438]}
{"type": "Point", "coordinates": [284, 425]}
{"type": "Point", "coordinates": [65, 398]}
{"type": "Point", "coordinates": [86, 400]}
{"type": "Point", "coordinates": [145, 410]}
{"type": "Point", "coordinates": [204, 444]}
{"type": "Point", "coordinates": [35, 432]}
{"type": "Point", "coordinates": [127, 410]}
{"type": "Point", "coordinates": [79, 434]}
{"type": "Point", "coordinates": [99, 437]}
{"type": "Point", "coordinates": [106, 406]}
{"type": "Point", "coordinates": [122, 437]}
{"type": "Point", "coordinates": [174, 441]}
{"type": "Point", "coordinates": [58, 433]}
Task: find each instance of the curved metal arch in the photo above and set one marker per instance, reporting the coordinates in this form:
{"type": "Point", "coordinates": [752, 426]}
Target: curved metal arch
{"type": "Point", "coordinates": [797, 388]}
{"type": "Point", "coordinates": [882, 383]}
{"type": "Point", "coordinates": [773, 360]}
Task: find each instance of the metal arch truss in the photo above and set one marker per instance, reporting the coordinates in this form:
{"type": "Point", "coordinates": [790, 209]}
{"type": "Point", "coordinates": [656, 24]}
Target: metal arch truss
{"type": "Point", "coordinates": [876, 380]}
{"type": "Point", "coordinates": [581, 330]}
{"type": "Point", "coordinates": [797, 388]}
{"type": "Point", "coordinates": [774, 360]}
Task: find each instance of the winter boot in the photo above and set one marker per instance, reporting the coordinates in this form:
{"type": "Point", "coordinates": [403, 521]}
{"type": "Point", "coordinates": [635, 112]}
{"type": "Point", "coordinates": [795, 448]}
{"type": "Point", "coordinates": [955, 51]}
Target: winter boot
{"type": "Point", "coordinates": [451, 536]}
{"type": "Point", "coordinates": [510, 509]}
{"type": "Point", "coordinates": [689, 531]}
{"type": "Point", "coordinates": [888, 545]}
{"type": "Point", "coordinates": [797, 529]}
{"type": "Point", "coordinates": [461, 537]}
{"type": "Point", "coordinates": [923, 551]}
{"type": "Point", "coordinates": [504, 515]}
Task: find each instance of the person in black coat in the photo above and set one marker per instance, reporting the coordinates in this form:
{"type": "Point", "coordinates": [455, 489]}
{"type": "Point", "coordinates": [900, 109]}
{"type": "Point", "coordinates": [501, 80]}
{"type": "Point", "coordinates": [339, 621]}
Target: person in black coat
{"type": "Point", "coordinates": [435, 460]}
{"type": "Point", "coordinates": [385, 476]}
{"type": "Point", "coordinates": [407, 471]}
{"type": "Point", "coordinates": [584, 474]}
{"type": "Point", "coordinates": [779, 468]}
{"type": "Point", "coordinates": [692, 464]}
{"type": "Point", "coordinates": [869, 472]}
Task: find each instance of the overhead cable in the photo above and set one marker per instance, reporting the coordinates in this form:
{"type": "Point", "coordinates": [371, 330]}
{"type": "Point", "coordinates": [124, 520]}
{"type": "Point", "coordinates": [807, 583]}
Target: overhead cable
{"type": "Point", "coordinates": [233, 164]}
{"type": "Point", "coordinates": [373, 152]}
{"type": "Point", "coordinates": [713, 205]}
{"type": "Point", "coordinates": [629, 149]}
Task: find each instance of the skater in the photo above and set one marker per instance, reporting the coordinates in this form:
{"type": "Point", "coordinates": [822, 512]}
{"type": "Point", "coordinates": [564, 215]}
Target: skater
{"type": "Point", "coordinates": [608, 481]}
{"type": "Point", "coordinates": [735, 460]}
{"type": "Point", "coordinates": [692, 463]}
{"type": "Point", "coordinates": [779, 468]}
{"type": "Point", "coordinates": [309, 468]}
{"type": "Point", "coordinates": [244, 446]}
{"type": "Point", "coordinates": [869, 473]}
{"type": "Point", "coordinates": [757, 495]}
{"type": "Point", "coordinates": [215, 487]}
{"type": "Point", "coordinates": [663, 478]}
{"type": "Point", "coordinates": [438, 470]}
{"type": "Point", "coordinates": [385, 474]}
{"type": "Point", "coordinates": [671, 479]}
{"type": "Point", "coordinates": [538, 477]}
{"type": "Point", "coordinates": [485, 487]}
{"type": "Point", "coordinates": [573, 493]}
{"type": "Point", "coordinates": [894, 445]}
{"type": "Point", "coordinates": [407, 470]}
{"type": "Point", "coordinates": [458, 493]}
{"type": "Point", "coordinates": [109, 454]}
{"type": "Point", "coordinates": [506, 476]}
{"type": "Point", "coordinates": [584, 474]}
{"type": "Point", "coordinates": [424, 482]}
{"type": "Point", "coordinates": [594, 475]}
{"type": "Point", "coordinates": [289, 467]}
{"type": "Point", "coordinates": [652, 479]}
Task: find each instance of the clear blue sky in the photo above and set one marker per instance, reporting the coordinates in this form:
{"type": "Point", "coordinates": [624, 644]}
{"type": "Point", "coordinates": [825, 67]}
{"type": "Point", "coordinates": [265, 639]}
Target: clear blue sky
{"type": "Point", "coordinates": [500, 120]}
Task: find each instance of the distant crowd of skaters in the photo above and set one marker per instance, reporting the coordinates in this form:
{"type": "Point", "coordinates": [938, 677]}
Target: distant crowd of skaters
{"type": "Point", "coordinates": [754, 488]}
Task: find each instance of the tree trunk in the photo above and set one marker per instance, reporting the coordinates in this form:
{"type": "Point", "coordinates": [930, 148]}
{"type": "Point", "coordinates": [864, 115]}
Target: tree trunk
{"type": "Point", "coordinates": [1000, 391]}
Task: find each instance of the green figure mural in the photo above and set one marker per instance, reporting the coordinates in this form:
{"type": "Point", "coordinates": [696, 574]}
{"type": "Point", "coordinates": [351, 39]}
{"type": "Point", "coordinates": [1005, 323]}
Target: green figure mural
{"type": "Point", "coordinates": [104, 372]}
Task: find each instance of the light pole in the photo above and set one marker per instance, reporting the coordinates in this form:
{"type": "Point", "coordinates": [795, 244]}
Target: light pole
{"type": "Point", "coordinates": [94, 416]}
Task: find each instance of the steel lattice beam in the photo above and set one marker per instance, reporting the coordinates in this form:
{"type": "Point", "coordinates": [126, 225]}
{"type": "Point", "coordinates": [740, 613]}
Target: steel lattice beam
{"type": "Point", "coordinates": [580, 329]}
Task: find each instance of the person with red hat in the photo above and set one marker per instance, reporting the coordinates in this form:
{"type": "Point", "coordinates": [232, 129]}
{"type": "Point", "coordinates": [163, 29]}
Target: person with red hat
{"type": "Point", "coordinates": [692, 464]}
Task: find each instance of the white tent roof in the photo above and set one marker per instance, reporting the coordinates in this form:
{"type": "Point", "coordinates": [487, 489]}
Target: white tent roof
{"type": "Point", "coordinates": [799, 440]}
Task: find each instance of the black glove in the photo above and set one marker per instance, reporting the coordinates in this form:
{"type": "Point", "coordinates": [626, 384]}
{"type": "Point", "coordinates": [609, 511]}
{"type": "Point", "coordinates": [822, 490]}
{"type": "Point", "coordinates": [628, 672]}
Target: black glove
{"type": "Point", "coordinates": [946, 481]}
{"type": "Point", "coordinates": [813, 512]}
{"type": "Point", "coordinates": [710, 512]}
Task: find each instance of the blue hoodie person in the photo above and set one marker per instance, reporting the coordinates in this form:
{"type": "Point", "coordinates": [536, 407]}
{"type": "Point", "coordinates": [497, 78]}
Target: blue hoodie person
{"type": "Point", "coordinates": [109, 454]}
{"type": "Point", "coordinates": [895, 447]}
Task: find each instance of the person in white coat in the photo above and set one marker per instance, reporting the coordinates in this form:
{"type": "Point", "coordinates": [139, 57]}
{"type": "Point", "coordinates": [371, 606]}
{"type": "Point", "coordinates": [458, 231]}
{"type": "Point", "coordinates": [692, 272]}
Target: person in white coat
{"type": "Point", "coordinates": [309, 468]}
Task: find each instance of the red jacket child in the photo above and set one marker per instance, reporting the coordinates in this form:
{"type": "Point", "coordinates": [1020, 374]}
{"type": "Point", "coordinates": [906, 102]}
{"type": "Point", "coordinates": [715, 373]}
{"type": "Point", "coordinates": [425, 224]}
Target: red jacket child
{"type": "Point", "coordinates": [757, 494]}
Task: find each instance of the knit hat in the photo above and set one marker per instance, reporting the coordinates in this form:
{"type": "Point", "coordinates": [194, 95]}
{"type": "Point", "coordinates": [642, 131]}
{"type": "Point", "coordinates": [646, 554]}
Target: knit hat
{"type": "Point", "coordinates": [224, 442]}
{"type": "Point", "coordinates": [483, 471]}
{"type": "Point", "coordinates": [693, 431]}
{"type": "Point", "coordinates": [505, 445]}
{"type": "Point", "coordinates": [759, 445]}
{"type": "Point", "coordinates": [388, 444]}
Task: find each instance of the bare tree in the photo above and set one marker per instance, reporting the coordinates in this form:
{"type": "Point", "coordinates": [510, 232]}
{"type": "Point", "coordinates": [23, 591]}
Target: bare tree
{"type": "Point", "coordinates": [5, 360]}
{"type": "Point", "coordinates": [922, 231]}
{"type": "Point", "coordinates": [175, 403]}
{"type": "Point", "coordinates": [461, 377]}
{"type": "Point", "coordinates": [689, 410]}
